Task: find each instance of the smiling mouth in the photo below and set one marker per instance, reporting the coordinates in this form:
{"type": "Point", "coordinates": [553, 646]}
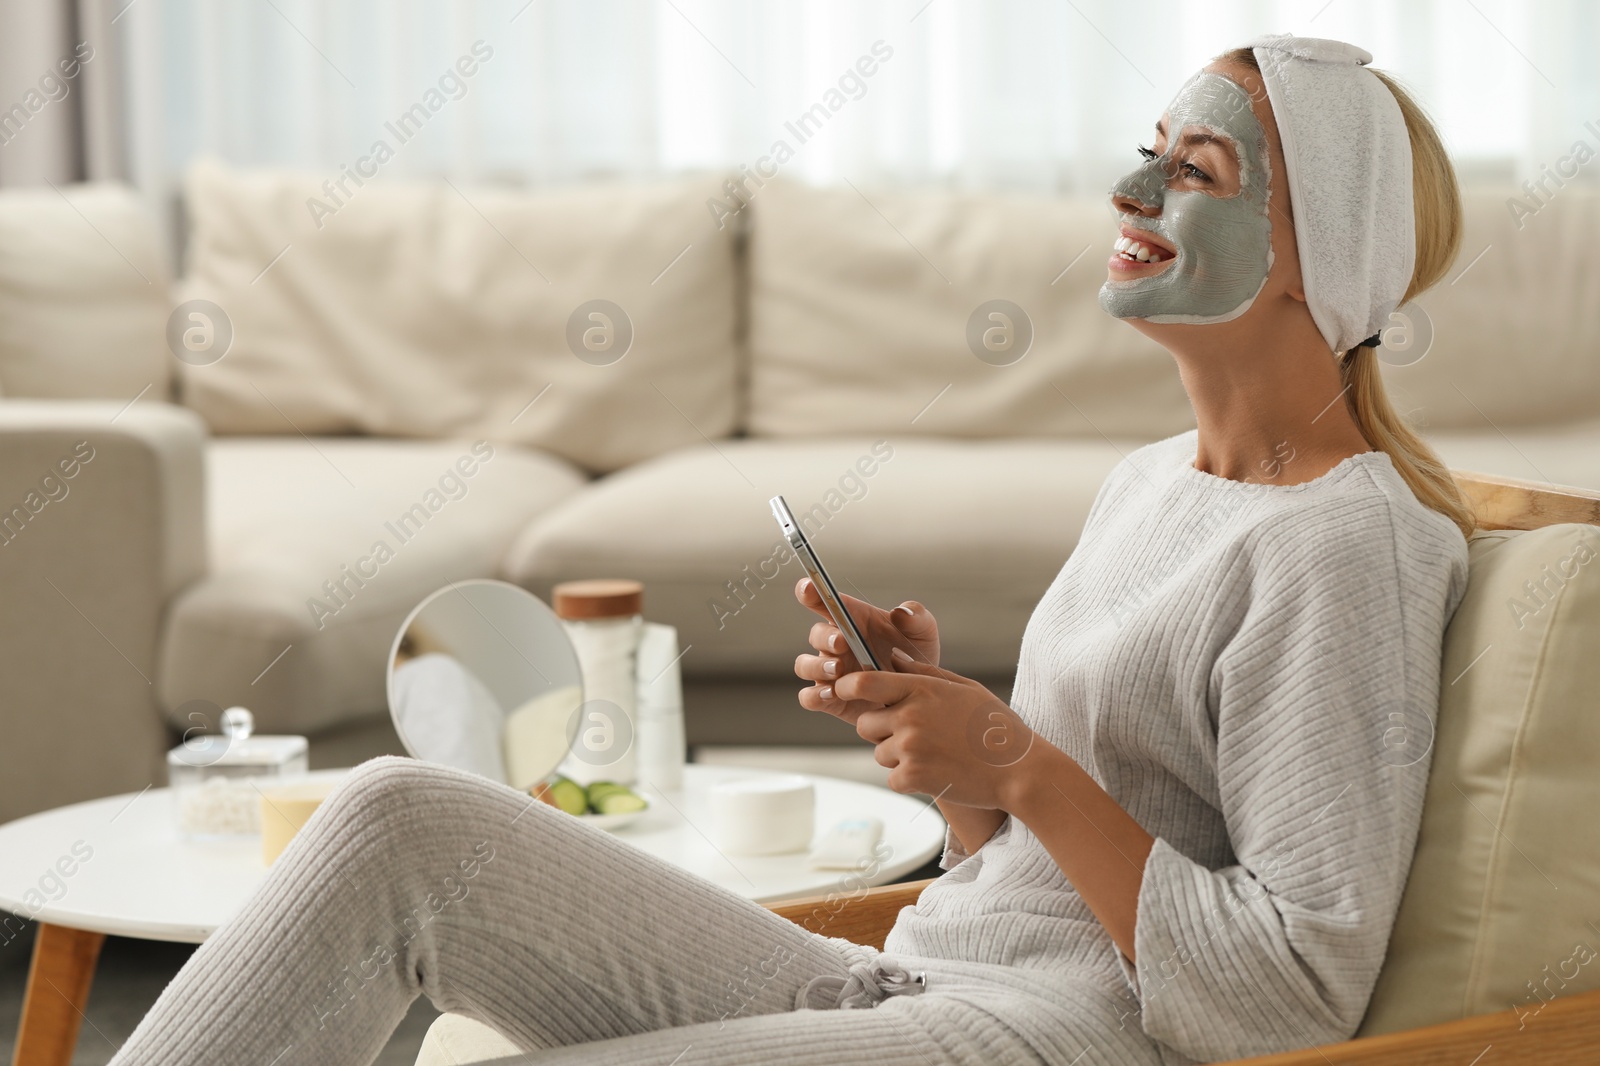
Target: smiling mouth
{"type": "Point", "coordinates": [1134, 251]}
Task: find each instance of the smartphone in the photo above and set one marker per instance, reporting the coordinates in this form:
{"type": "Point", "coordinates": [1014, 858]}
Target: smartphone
{"type": "Point", "coordinates": [819, 577]}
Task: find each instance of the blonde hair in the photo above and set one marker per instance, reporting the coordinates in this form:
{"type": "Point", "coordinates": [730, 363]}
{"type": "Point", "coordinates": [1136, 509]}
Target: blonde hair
{"type": "Point", "coordinates": [1437, 199]}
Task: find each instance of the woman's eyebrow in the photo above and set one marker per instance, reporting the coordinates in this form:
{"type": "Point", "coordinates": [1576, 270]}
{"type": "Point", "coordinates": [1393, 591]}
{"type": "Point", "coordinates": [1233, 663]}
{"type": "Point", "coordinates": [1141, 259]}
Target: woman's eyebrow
{"type": "Point", "coordinates": [1198, 137]}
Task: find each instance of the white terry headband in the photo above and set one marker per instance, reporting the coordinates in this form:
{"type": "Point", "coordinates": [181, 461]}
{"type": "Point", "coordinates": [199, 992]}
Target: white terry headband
{"type": "Point", "coordinates": [1348, 162]}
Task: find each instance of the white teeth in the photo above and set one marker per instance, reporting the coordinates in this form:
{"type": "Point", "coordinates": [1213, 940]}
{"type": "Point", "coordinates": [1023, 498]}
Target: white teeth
{"type": "Point", "coordinates": [1129, 248]}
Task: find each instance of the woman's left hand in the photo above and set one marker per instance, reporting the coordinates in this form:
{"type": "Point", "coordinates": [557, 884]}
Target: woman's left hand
{"type": "Point", "coordinates": [939, 733]}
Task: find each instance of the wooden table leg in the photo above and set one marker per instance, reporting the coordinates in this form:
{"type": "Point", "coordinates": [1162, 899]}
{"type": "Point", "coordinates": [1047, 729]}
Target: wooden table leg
{"type": "Point", "coordinates": [58, 989]}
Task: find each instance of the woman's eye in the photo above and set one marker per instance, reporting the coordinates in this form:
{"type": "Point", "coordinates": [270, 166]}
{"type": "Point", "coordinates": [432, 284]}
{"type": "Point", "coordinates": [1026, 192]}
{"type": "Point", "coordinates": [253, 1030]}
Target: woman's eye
{"type": "Point", "coordinates": [1195, 172]}
{"type": "Point", "coordinates": [1148, 153]}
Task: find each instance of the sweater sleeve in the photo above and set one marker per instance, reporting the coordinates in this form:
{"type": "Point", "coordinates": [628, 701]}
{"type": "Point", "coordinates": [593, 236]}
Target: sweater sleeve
{"type": "Point", "coordinates": [1323, 696]}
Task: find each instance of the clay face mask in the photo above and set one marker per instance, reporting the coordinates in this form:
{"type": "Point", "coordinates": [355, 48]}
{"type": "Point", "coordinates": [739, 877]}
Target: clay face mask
{"type": "Point", "coordinates": [1223, 244]}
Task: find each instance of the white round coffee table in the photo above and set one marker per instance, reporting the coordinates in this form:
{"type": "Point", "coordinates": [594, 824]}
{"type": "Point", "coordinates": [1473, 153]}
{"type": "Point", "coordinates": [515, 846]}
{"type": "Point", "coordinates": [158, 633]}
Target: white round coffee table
{"type": "Point", "coordinates": [132, 875]}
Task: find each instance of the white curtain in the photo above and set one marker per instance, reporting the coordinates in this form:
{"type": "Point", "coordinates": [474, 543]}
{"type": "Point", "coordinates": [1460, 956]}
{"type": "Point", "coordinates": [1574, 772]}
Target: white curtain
{"type": "Point", "coordinates": [59, 85]}
{"type": "Point", "coordinates": [1035, 94]}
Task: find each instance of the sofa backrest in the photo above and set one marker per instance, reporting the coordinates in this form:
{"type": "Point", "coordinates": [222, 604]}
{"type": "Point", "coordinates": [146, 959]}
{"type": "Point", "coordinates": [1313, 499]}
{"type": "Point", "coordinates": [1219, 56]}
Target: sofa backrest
{"type": "Point", "coordinates": [83, 296]}
{"type": "Point", "coordinates": [869, 309]}
{"type": "Point", "coordinates": [865, 305]}
{"type": "Point", "coordinates": [421, 310]}
{"type": "Point", "coordinates": [1516, 324]}
{"type": "Point", "coordinates": [432, 310]}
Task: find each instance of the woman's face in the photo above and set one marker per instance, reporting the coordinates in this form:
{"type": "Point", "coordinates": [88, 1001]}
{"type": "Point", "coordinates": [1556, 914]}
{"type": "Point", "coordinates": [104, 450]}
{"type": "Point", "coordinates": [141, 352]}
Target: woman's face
{"type": "Point", "coordinates": [1197, 242]}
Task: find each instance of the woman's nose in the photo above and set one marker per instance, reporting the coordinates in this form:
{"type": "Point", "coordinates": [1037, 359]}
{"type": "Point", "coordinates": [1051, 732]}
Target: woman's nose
{"type": "Point", "coordinates": [1142, 192]}
{"type": "Point", "coordinates": [1130, 205]}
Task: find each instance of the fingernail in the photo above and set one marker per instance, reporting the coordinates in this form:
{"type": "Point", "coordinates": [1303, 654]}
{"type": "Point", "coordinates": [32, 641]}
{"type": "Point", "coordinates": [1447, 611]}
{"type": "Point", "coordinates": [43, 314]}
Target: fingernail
{"type": "Point", "coordinates": [903, 611]}
{"type": "Point", "coordinates": [830, 667]}
{"type": "Point", "coordinates": [835, 643]}
{"type": "Point", "coordinates": [826, 692]}
{"type": "Point", "coordinates": [900, 653]}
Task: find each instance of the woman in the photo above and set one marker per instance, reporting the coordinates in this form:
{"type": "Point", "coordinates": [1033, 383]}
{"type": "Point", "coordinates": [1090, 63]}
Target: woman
{"type": "Point", "coordinates": [1187, 837]}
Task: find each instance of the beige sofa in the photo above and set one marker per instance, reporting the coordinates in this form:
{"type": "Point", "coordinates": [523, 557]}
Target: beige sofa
{"type": "Point", "coordinates": [221, 546]}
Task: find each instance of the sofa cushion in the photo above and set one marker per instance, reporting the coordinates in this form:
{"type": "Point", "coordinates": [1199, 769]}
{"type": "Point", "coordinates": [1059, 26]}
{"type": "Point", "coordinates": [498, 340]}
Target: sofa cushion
{"type": "Point", "coordinates": [83, 296]}
{"type": "Point", "coordinates": [860, 308]}
{"type": "Point", "coordinates": [1498, 910]}
{"type": "Point", "coordinates": [1514, 332]}
{"type": "Point", "coordinates": [321, 547]}
{"type": "Point", "coordinates": [421, 310]}
{"type": "Point", "coordinates": [975, 530]}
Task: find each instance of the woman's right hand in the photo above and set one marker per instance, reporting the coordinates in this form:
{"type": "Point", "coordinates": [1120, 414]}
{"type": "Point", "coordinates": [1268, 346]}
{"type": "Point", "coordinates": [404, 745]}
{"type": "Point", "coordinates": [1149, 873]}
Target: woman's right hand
{"type": "Point", "coordinates": [910, 626]}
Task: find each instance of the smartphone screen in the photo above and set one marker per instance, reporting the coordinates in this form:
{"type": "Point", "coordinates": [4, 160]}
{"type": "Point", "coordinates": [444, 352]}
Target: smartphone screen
{"type": "Point", "coordinates": [819, 577]}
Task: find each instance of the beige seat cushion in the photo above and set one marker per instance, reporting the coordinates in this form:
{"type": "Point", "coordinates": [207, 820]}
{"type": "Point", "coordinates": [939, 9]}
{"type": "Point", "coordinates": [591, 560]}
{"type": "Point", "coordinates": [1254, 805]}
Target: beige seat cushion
{"type": "Point", "coordinates": [455, 1039]}
{"type": "Point", "coordinates": [287, 515]}
{"type": "Point", "coordinates": [859, 310]}
{"type": "Point", "coordinates": [83, 296]}
{"type": "Point", "coordinates": [417, 310]}
{"type": "Point", "coordinates": [1499, 908]}
{"type": "Point", "coordinates": [976, 530]}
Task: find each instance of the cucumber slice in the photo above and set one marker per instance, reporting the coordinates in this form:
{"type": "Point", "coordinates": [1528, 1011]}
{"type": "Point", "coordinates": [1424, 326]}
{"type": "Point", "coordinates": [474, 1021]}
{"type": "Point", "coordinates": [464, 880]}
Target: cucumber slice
{"type": "Point", "coordinates": [608, 797]}
{"type": "Point", "coordinates": [569, 795]}
{"type": "Point", "coordinates": [620, 801]}
{"type": "Point", "coordinates": [601, 789]}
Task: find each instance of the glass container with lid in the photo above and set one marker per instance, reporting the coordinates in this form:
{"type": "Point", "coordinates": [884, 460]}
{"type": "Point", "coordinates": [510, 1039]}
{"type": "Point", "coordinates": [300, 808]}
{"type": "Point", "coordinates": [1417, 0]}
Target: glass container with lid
{"type": "Point", "coordinates": [216, 779]}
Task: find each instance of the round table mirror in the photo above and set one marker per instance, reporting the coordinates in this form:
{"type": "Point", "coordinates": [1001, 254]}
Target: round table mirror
{"type": "Point", "coordinates": [483, 678]}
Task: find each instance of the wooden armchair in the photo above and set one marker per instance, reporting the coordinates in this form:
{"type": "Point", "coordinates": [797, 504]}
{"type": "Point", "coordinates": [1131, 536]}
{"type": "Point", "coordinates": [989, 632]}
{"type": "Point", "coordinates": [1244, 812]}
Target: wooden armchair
{"type": "Point", "coordinates": [1568, 1029]}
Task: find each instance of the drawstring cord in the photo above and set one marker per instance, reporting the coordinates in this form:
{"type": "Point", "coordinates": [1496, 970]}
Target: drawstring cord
{"type": "Point", "coordinates": [868, 984]}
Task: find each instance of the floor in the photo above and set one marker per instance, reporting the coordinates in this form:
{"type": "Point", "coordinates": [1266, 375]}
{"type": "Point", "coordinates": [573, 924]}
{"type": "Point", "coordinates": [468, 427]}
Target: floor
{"type": "Point", "coordinates": [132, 973]}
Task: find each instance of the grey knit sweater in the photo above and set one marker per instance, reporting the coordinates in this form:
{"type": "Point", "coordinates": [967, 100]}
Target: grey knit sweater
{"type": "Point", "coordinates": [1252, 671]}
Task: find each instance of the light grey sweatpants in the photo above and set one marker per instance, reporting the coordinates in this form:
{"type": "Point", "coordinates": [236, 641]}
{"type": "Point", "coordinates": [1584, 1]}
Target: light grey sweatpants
{"type": "Point", "coordinates": [416, 879]}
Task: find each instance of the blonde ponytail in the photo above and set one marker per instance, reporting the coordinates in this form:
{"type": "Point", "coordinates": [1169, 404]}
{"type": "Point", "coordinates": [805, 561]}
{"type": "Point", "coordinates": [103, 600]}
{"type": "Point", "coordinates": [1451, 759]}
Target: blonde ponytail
{"type": "Point", "coordinates": [1437, 199]}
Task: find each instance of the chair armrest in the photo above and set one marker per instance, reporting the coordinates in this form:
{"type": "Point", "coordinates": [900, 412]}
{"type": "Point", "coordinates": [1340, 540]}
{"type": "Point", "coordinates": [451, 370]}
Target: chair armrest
{"type": "Point", "coordinates": [863, 916]}
{"type": "Point", "coordinates": [101, 522]}
{"type": "Point", "coordinates": [1563, 1030]}
{"type": "Point", "coordinates": [1512, 503]}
